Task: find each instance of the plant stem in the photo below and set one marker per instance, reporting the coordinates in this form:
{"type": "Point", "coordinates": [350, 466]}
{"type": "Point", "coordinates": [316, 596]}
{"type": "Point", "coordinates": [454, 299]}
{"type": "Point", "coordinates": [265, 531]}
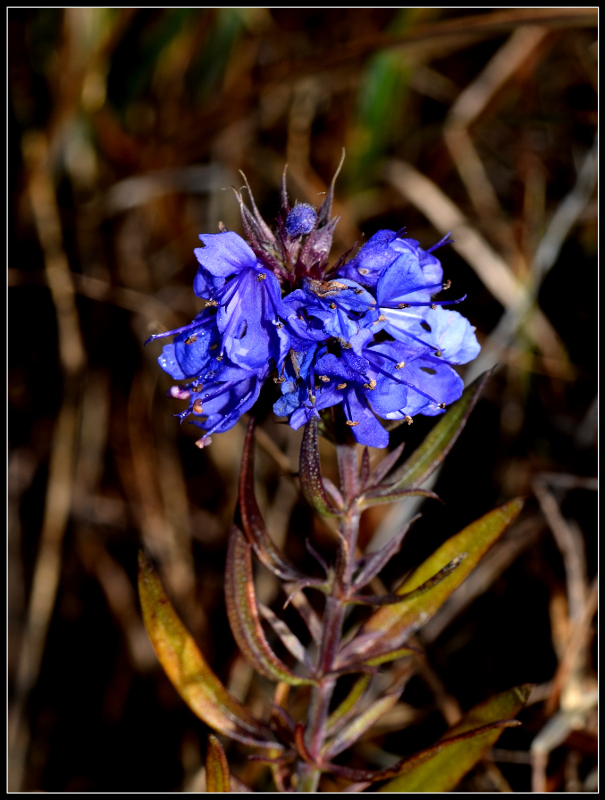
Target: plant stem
{"type": "Point", "coordinates": [333, 619]}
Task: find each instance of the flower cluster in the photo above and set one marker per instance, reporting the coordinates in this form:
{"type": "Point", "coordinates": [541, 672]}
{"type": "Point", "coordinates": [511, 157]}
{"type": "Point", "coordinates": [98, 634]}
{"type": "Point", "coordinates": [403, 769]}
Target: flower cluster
{"type": "Point", "coordinates": [365, 334]}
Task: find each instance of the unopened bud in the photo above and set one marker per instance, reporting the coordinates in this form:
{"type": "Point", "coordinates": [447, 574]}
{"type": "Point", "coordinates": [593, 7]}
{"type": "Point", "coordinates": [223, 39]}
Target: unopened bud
{"type": "Point", "coordinates": [301, 220]}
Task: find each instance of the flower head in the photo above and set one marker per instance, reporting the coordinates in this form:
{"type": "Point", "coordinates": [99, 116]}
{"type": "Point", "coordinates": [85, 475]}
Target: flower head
{"type": "Point", "coordinates": [368, 337]}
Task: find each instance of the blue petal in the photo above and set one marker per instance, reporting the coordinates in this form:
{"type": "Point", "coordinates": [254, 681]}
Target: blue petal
{"type": "Point", "coordinates": [452, 334]}
{"type": "Point", "coordinates": [248, 320]}
{"type": "Point", "coordinates": [371, 261]}
{"type": "Point", "coordinates": [367, 430]}
{"type": "Point", "coordinates": [224, 254]}
{"type": "Point", "coordinates": [404, 282]}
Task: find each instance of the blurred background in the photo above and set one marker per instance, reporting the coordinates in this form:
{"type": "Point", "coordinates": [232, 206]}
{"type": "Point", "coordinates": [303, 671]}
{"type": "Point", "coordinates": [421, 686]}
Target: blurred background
{"type": "Point", "coordinates": [127, 128]}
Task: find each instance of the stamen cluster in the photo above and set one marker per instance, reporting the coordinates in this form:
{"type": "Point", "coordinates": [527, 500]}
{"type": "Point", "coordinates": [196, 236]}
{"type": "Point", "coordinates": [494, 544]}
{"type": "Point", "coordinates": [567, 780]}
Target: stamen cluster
{"type": "Point", "coordinates": [365, 334]}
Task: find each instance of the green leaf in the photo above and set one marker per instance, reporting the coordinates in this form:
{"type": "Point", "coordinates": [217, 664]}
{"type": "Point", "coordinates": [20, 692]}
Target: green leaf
{"type": "Point", "coordinates": [217, 769]}
{"type": "Point", "coordinates": [362, 722]}
{"type": "Point", "coordinates": [187, 669]}
{"type": "Point", "coordinates": [392, 655]}
{"type": "Point", "coordinates": [243, 614]}
{"type": "Point", "coordinates": [397, 597]}
{"type": "Point", "coordinates": [310, 473]}
{"type": "Point", "coordinates": [426, 458]}
{"type": "Point", "coordinates": [372, 563]}
{"type": "Point", "coordinates": [440, 768]}
{"type": "Point", "coordinates": [393, 624]}
{"type": "Point", "coordinates": [349, 704]}
{"type": "Point", "coordinates": [375, 497]}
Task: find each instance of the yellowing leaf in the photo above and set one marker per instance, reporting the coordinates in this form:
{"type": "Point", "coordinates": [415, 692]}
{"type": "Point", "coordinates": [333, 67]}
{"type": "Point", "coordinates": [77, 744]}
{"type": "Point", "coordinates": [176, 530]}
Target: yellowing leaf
{"type": "Point", "coordinates": [217, 769]}
{"type": "Point", "coordinates": [440, 768]}
{"type": "Point", "coordinates": [393, 624]}
{"type": "Point", "coordinates": [187, 669]}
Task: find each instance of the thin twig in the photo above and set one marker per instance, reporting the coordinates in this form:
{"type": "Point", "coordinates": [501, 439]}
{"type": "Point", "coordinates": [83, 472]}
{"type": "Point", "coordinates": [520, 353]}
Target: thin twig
{"type": "Point", "coordinates": [545, 257]}
{"type": "Point", "coordinates": [63, 453]}
{"type": "Point", "coordinates": [488, 265]}
{"type": "Point", "coordinates": [571, 545]}
{"type": "Point", "coordinates": [472, 102]}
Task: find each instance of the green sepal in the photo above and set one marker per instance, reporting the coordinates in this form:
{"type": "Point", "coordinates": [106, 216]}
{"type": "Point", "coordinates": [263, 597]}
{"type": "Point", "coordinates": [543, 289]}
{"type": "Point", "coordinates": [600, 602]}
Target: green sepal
{"type": "Point", "coordinates": [375, 497]}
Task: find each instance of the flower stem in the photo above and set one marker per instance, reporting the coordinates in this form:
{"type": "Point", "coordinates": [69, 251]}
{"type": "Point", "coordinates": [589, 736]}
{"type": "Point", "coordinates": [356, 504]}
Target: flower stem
{"type": "Point", "coordinates": [333, 619]}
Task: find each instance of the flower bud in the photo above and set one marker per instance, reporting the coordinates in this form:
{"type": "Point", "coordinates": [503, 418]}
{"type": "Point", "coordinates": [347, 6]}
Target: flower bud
{"type": "Point", "coordinates": [301, 220]}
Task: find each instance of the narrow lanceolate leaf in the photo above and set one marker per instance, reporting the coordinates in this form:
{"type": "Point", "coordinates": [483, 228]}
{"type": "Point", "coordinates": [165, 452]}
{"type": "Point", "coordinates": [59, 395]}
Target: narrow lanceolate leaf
{"type": "Point", "coordinates": [310, 473]}
{"type": "Point", "coordinates": [408, 650]}
{"type": "Point", "coordinates": [362, 722]}
{"type": "Point", "coordinates": [243, 614]}
{"type": "Point", "coordinates": [375, 562]}
{"type": "Point", "coordinates": [440, 768]}
{"type": "Point", "coordinates": [385, 466]}
{"type": "Point", "coordinates": [395, 597]}
{"type": "Point", "coordinates": [252, 521]}
{"type": "Point", "coordinates": [187, 669]}
{"type": "Point", "coordinates": [426, 458]}
{"type": "Point", "coordinates": [217, 769]}
{"type": "Point", "coordinates": [374, 497]}
{"type": "Point", "coordinates": [394, 624]}
{"type": "Point", "coordinates": [349, 705]}
{"type": "Point", "coordinates": [288, 639]}
{"type": "Point", "coordinates": [306, 611]}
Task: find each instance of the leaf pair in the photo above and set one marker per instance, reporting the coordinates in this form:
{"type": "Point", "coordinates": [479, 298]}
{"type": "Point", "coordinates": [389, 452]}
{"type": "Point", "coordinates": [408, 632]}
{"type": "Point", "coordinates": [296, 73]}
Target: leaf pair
{"type": "Point", "coordinates": [427, 589]}
{"type": "Point", "coordinates": [438, 768]}
{"type": "Point", "coordinates": [441, 767]}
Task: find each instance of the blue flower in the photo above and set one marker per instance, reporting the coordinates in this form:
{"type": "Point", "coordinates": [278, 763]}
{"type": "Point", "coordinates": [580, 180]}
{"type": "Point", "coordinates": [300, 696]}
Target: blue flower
{"type": "Point", "coordinates": [218, 405]}
{"type": "Point", "coordinates": [218, 391]}
{"type": "Point", "coordinates": [248, 296]}
{"type": "Point", "coordinates": [367, 336]}
{"type": "Point", "coordinates": [339, 309]}
{"type": "Point", "coordinates": [373, 384]}
{"type": "Point", "coordinates": [193, 353]}
{"type": "Point", "coordinates": [384, 250]}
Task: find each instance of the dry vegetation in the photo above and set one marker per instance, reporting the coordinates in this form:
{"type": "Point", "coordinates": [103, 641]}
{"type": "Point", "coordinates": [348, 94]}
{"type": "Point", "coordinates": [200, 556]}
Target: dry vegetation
{"type": "Point", "coordinates": [126, 129]}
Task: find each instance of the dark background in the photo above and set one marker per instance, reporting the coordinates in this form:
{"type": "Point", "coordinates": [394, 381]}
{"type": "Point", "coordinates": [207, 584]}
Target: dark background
{"type": "Point", "coordinates": [126, 129]}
